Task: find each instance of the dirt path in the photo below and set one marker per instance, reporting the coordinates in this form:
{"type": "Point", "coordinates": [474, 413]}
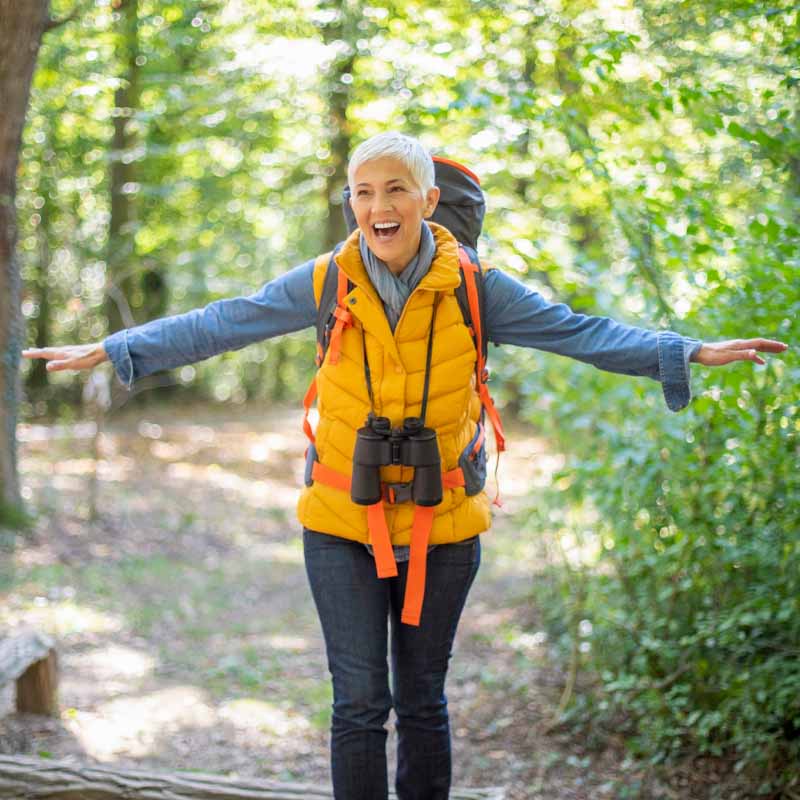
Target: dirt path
{"type": "Point", "coordinates": [186, 630]}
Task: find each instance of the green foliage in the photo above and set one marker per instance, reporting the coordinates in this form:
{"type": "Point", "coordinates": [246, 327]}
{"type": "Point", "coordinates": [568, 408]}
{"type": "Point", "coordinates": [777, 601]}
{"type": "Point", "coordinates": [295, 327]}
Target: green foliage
{"type": "Point", "coordinates": [677, 537]}
{"type": "Point", "coordinates": [639, 162]}
{"type": "Point", "coordinates": [693, 597]}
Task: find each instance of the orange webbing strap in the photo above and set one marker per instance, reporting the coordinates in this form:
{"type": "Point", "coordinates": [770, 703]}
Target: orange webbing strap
{"type": "Point", "coordinates": [452, 479]}
{"type": "Point", "coordinates": [381, 543]}
{"type": "Point", "coordinates": [481, 436]}
{"type": "Point", "coordinates": [330, 477]}
{"type": "Point", "coordinates": [494, 417]}
{"type": "Point", "coordinates": [469, 269]}
{"type": "Point", "coordinates": [343, 319]}
{"type": "Point", "coordinates": [308, 401]}
{"type": "Point", "coordinates": [385, 564]}
{"type": "Point", "coordinates": [338, 480]}
{"type": "Point", "coordinates": [417, 565]}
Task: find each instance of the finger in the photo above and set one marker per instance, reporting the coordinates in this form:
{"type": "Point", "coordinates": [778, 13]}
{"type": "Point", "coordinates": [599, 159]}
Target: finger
{"type": "Point", "coordinates": [749, 355]}
{"type": "Point", "coordinates": [44, 352]}
{"type": "Point", "coordinates": [764, 345]}
{"type": "Point", "coordinates": [55, 366]}
{"type": "Point", "coordinates": [34, 352]}
{"type": "Point", "coordinates": [771, 346]}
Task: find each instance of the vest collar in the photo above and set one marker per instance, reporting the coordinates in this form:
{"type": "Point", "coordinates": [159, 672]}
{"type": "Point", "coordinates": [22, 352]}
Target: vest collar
{"type": "Point", "coordinates": [442, 275]}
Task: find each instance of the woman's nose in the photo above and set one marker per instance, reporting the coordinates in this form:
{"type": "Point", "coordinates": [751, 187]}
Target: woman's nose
{"type": "Point", "coordinates": [382, 201]}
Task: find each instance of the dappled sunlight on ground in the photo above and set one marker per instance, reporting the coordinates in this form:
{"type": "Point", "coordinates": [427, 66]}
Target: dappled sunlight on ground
{"type": "Point", "coordinates": [116, 662]}
{"type": "Point", "coordinates": [257, 493]}
{"type": "Point", "coordinates": [262, 717]}
{"type": "Point", "coordinates": [59, 618]}
{"type": "Point", "coordinates": [186, 630]}
{"type": "Point", "coordinates": [284, 642]}
{"type": "Point", "coordinates": [131, 725]}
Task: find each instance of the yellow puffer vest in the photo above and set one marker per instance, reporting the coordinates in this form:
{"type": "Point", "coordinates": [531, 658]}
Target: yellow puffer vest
{"type": "Point", "coordinates": [397, 367]}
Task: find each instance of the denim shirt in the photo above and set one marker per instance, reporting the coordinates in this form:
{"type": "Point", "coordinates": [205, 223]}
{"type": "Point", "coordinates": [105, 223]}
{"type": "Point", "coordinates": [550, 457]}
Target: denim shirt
{"type": "Point", "coordinates": [515, 314]}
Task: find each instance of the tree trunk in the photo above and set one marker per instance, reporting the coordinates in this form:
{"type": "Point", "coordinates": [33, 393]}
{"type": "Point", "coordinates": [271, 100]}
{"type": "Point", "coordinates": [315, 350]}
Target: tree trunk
{"type": "Point", "coordinates": [124, 295]}
{"type": "Point", "coordinates": [30, 659]}
{"type": "Point", "coordinates": [23, 777]}
{"type": "Point", "coordinates": [37, 382]}
{"type": "Point", "coordinates": [339, 82]}
{"type": "Point", "coordinates": [21, 29]}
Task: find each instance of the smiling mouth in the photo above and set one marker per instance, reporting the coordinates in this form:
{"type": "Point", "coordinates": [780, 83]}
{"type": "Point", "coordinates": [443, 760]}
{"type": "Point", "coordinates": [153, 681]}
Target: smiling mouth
{"type": "Point", "coordinates": [385, 231]}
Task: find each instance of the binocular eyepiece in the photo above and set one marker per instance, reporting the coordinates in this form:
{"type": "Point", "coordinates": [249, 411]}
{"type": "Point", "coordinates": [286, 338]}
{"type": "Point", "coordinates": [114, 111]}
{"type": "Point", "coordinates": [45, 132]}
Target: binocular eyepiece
{"type": "Point", "coordinates": [412, 445]}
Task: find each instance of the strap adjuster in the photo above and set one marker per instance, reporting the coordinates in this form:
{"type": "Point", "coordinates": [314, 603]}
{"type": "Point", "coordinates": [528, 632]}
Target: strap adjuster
{"type": "Point", "coordinates": [394, 493]}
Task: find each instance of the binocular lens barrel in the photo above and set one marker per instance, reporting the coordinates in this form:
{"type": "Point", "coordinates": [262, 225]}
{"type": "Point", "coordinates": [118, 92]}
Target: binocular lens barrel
{"type": "Point", "coordinates": [372, 451]}
{"type": "Point", "coordinates": [413, 445]}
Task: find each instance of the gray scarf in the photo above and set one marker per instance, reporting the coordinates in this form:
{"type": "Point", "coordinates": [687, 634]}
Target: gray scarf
{"type": "Point", "coordinates": [393, 289]}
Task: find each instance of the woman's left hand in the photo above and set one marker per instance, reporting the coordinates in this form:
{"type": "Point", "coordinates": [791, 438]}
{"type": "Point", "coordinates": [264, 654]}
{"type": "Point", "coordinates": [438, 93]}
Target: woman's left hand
{"type": "Point", "coordinates": [715, 354]}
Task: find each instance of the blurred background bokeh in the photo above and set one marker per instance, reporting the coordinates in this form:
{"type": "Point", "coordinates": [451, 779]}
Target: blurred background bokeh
{"type": "Point", "coordinates": [640, 159]}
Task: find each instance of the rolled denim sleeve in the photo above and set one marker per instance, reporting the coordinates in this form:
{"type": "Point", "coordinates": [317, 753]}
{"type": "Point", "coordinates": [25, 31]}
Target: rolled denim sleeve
{"type": "Point", "coordinates": [517, 315]}
{"type": "Point", "coordinates": [283, 305]}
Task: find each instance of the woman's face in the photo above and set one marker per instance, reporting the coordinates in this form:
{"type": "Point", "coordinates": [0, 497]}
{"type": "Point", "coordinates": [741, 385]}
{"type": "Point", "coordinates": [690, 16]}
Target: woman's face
{"type": "Point", "coordinates": [389, 208]}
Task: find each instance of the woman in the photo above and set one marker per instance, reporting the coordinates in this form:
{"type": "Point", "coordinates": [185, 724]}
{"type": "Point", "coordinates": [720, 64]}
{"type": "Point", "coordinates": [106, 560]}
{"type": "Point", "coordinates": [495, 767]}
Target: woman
{"type": "Point", "coordinates": [400, 301]}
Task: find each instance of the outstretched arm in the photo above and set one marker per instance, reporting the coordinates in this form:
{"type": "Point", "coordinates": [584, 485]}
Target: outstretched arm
{"type": "Point", "coordinates": [281, 306]}
{"type": "Point", "coordinates": [518, 315]}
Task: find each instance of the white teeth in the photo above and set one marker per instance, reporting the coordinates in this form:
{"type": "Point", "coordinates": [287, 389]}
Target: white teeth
{"type": "Point", "coordinates": [382, 225]}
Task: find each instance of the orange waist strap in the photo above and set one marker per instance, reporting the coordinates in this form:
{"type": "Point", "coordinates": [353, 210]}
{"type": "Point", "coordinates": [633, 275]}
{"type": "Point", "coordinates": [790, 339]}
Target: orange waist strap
{"type": "Point", "coordinates": [385, 563]}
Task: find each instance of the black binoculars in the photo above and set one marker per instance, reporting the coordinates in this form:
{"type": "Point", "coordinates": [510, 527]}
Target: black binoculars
{"type": "Point", "coordinates": [413, 445]}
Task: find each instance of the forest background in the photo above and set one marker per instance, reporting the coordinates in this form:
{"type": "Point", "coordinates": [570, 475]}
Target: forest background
{"type": "Point", "coordinates": [641, 160]}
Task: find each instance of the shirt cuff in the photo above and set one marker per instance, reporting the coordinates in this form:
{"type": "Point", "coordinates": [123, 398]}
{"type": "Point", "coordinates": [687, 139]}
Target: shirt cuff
{"type": "Point", "coordinates": [116, 346]}
{"type": "Point", "coordinates": [674, 354]}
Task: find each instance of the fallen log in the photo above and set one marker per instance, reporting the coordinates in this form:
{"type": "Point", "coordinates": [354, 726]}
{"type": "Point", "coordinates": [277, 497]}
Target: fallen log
{"type": "Point", "coordinates": [29, 658]}
{"type": "Point", "coordinates": [29, 778]}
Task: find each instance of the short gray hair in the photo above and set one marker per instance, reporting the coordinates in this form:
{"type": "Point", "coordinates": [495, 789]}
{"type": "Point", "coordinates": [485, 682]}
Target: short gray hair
{"type": "Point", "coordinates": [406, 149]}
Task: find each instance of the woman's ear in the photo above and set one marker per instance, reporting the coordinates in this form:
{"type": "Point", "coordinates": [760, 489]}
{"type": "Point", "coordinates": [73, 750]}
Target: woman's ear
{"type": "Point", "coordinates": [431, 200]}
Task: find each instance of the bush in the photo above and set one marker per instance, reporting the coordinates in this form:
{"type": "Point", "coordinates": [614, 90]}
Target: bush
{"type": "Point", "coordinates": [693, 596]}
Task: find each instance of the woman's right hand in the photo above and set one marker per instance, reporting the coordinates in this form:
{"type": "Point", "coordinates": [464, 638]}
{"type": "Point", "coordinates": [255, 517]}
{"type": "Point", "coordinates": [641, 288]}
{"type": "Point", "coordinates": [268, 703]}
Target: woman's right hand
{"type": "Point", "coordinates": [70, 356]}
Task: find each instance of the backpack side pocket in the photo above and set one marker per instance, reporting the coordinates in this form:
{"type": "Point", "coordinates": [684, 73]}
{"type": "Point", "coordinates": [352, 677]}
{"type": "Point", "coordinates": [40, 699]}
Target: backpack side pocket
{"type": "Point", "coordinates": [473, 462]}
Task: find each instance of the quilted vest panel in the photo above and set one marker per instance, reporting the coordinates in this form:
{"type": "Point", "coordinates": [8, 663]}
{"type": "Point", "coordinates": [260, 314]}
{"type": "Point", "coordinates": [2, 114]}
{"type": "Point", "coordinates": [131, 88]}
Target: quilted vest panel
{"type": "Point", "coordinates": [397, 367]}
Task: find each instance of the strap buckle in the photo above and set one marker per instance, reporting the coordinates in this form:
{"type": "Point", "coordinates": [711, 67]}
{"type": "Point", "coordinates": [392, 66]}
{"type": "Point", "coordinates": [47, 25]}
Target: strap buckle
{"type": "Point", "coordinates": [394, 493]}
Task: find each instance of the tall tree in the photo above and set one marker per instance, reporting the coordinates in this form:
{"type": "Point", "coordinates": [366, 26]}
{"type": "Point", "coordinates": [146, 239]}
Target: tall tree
{"type": "Point", "coordinates": [121, 220]}
{"type": "Point", "coordinates": [338, 20]}
{"type": "Point", "coordinates": [21, 29]}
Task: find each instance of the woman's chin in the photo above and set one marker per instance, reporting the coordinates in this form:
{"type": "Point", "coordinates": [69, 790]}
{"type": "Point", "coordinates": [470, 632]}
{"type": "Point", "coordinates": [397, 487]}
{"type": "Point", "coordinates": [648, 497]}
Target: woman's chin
{"type": "Point", "coordinates": [392, 256]}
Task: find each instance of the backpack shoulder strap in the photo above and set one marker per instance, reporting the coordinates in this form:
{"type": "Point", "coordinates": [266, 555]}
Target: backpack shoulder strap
{"type": "Point", "coordinates": [471, 296]}
{"type": "Point", "coordinates": [320, 273]}
{"type": "Point", "coordinates": [330, 287]}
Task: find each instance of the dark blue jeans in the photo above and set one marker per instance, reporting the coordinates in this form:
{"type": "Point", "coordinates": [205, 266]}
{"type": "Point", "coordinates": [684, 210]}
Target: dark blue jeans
{"type": "Point", "coordinates": [355, 607]}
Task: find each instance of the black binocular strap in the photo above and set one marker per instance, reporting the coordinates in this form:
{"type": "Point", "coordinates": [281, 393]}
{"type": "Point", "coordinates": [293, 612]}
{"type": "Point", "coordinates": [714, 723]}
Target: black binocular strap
{"type": "Point", "coordinates": [368, 374]}
{"type": "Point", "coordinates": [424, 409]}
